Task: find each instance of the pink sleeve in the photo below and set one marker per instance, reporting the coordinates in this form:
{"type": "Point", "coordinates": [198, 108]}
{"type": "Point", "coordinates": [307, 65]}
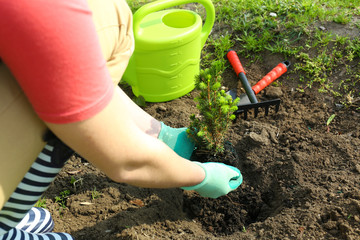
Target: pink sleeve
{"type": "Point", "coordinates": [53, 51]}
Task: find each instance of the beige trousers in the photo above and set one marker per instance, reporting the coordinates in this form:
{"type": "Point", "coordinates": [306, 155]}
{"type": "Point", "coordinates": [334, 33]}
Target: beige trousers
{"type": "Point", "coordinates": [21, 130]}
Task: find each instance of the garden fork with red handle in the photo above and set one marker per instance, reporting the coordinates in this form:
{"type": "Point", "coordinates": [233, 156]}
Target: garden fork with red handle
{"type": "Point", "coordinates": [249, 101]}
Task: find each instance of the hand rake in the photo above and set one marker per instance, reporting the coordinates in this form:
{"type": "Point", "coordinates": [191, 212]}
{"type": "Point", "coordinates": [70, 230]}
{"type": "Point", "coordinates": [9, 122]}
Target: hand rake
{"type": "Point", "coordinates": [248, 99]}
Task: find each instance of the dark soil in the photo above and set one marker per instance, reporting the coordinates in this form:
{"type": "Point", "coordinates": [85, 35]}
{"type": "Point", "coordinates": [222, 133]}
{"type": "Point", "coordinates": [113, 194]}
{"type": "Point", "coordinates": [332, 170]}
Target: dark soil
{"type": "Point", "coordinates": [301, 179]}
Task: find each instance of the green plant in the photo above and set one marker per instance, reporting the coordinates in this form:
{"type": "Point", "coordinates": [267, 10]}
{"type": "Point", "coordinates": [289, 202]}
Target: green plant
{"type": "Point", "coordinates": [329, 121]}
{"type": "Point", "coordinates": [140, 101]}
{"type": "Point", "coordinates": [343, 18]}
{"type": "Point", "coordinates": [95, 194]}
{"type": "Point", "coordinates": [219, 46]}
{"type": "Point", "coordinates": [216, 109]}
{"type": "Point", "coordinates": [354, 47]}
{"type": "Point", "coordinates": [62, 198]}
{"type": "Point", "coordinates": [135, 5]}
{"type": "Point", "coordinates": [74, 181]}
{"type": "Point", "coordinates": [41, 203]}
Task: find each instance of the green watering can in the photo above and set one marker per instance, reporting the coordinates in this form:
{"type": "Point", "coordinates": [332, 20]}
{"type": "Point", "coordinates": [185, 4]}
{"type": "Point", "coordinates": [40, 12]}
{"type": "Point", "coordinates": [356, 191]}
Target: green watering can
{"type": "Point", "coordinates": [167, 52]}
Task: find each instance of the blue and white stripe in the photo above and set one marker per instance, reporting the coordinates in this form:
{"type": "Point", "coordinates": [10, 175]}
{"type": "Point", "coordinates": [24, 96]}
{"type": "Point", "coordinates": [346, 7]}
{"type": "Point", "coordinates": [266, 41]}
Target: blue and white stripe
{"type": "Point", "coordinates": [17, 234]}
{"type": "Point", "coordinates": [18, 211]}
{"type": "Point", "coordinates": [37, 220]}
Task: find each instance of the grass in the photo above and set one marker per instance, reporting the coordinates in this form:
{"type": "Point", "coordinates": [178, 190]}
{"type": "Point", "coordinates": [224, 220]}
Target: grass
{"type": "Point", "coordinates": [61, 199]}
{"type": "Point", "coordinates": [295, 30]}
{"type": "Point", "coordinates": [41, 203]}
{"type": "Point", "coordinates": [95, 194]}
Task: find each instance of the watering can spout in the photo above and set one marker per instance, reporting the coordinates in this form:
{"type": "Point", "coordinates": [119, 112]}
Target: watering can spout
{"type": "Point", "coordinates": [168, 45]}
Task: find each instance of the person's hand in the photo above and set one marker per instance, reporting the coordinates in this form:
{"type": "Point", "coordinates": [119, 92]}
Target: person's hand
{"type": "Point", "coordinates": [177, 140]}
{"type": "Point", "coordinates": [219, 180]}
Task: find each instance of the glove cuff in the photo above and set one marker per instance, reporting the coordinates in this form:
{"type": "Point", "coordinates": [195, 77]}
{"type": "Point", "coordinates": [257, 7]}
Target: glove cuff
{"type": "Point", "coordinates": [200, 185]}
{"type": "Point", "coordinates": [177, 140]}
{"type": "Point", "coordinates": [162, 134]}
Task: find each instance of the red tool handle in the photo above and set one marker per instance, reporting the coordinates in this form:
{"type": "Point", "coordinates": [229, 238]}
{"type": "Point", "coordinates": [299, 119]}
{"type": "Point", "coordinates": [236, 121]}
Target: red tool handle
{"type": "Point", "coordinates": [235, 62]}
{"type": "Point", "coordinates": [275, 73]}
{"type": "Point", "coordinates": [239, 70]}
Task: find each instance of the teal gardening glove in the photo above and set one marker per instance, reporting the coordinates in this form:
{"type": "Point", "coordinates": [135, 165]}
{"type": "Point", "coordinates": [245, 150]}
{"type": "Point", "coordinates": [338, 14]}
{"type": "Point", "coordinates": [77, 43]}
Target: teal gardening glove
{"type": "Point", "coordinates": [177, 140]}
{"type": "Point", "coordinates": [219, 180]}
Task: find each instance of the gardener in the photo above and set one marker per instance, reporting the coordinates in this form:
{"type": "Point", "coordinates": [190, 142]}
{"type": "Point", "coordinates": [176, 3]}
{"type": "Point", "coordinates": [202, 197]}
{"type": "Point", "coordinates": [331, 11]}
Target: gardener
{"type": "Point", "coordinates": [60, 71]}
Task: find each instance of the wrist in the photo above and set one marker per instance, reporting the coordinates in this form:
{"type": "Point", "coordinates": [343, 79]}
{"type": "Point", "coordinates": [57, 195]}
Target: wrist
{"type": "Point", "coordinates": [177, 139]}
{"type": "Point", "coordinates": [163, 130]}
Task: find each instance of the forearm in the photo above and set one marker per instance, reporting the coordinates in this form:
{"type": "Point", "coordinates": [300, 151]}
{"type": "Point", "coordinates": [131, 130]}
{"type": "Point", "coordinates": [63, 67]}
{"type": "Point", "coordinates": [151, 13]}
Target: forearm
{"type": "Point", "coordinates": [112, 141]}
{"type": "Point", "coordinates": [143, 120]}
{"type": "Point", "coordinates": [161, 167]}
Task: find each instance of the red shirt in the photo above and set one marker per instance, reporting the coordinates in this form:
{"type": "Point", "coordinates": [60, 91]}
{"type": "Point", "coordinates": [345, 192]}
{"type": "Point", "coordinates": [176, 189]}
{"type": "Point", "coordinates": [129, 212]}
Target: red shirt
{"type": "Point", "coordinates": [52, 49]}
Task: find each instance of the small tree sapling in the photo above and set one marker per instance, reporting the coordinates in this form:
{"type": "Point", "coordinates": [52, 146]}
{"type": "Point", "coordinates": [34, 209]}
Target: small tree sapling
{"type": "Point", "coordinates": [216, 108]}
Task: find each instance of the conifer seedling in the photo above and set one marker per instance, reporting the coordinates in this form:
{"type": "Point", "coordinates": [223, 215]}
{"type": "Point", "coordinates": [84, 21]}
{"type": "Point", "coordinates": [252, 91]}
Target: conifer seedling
{"type": "Point", "coordinates": [216, 108]}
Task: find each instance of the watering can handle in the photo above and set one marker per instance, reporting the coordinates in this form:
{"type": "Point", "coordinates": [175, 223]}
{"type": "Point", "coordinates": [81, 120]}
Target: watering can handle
{"type": "Point", "coordinates": [162, 4]}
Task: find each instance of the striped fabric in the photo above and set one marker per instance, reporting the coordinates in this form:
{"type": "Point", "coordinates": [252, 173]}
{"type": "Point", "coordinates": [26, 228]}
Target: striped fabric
{"type": "Point", "coordinates": [37, 220]}
{"type": "Point", "coordinates": [18, 234]}
{"type": "Point", "coordinates": [36, 181]}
